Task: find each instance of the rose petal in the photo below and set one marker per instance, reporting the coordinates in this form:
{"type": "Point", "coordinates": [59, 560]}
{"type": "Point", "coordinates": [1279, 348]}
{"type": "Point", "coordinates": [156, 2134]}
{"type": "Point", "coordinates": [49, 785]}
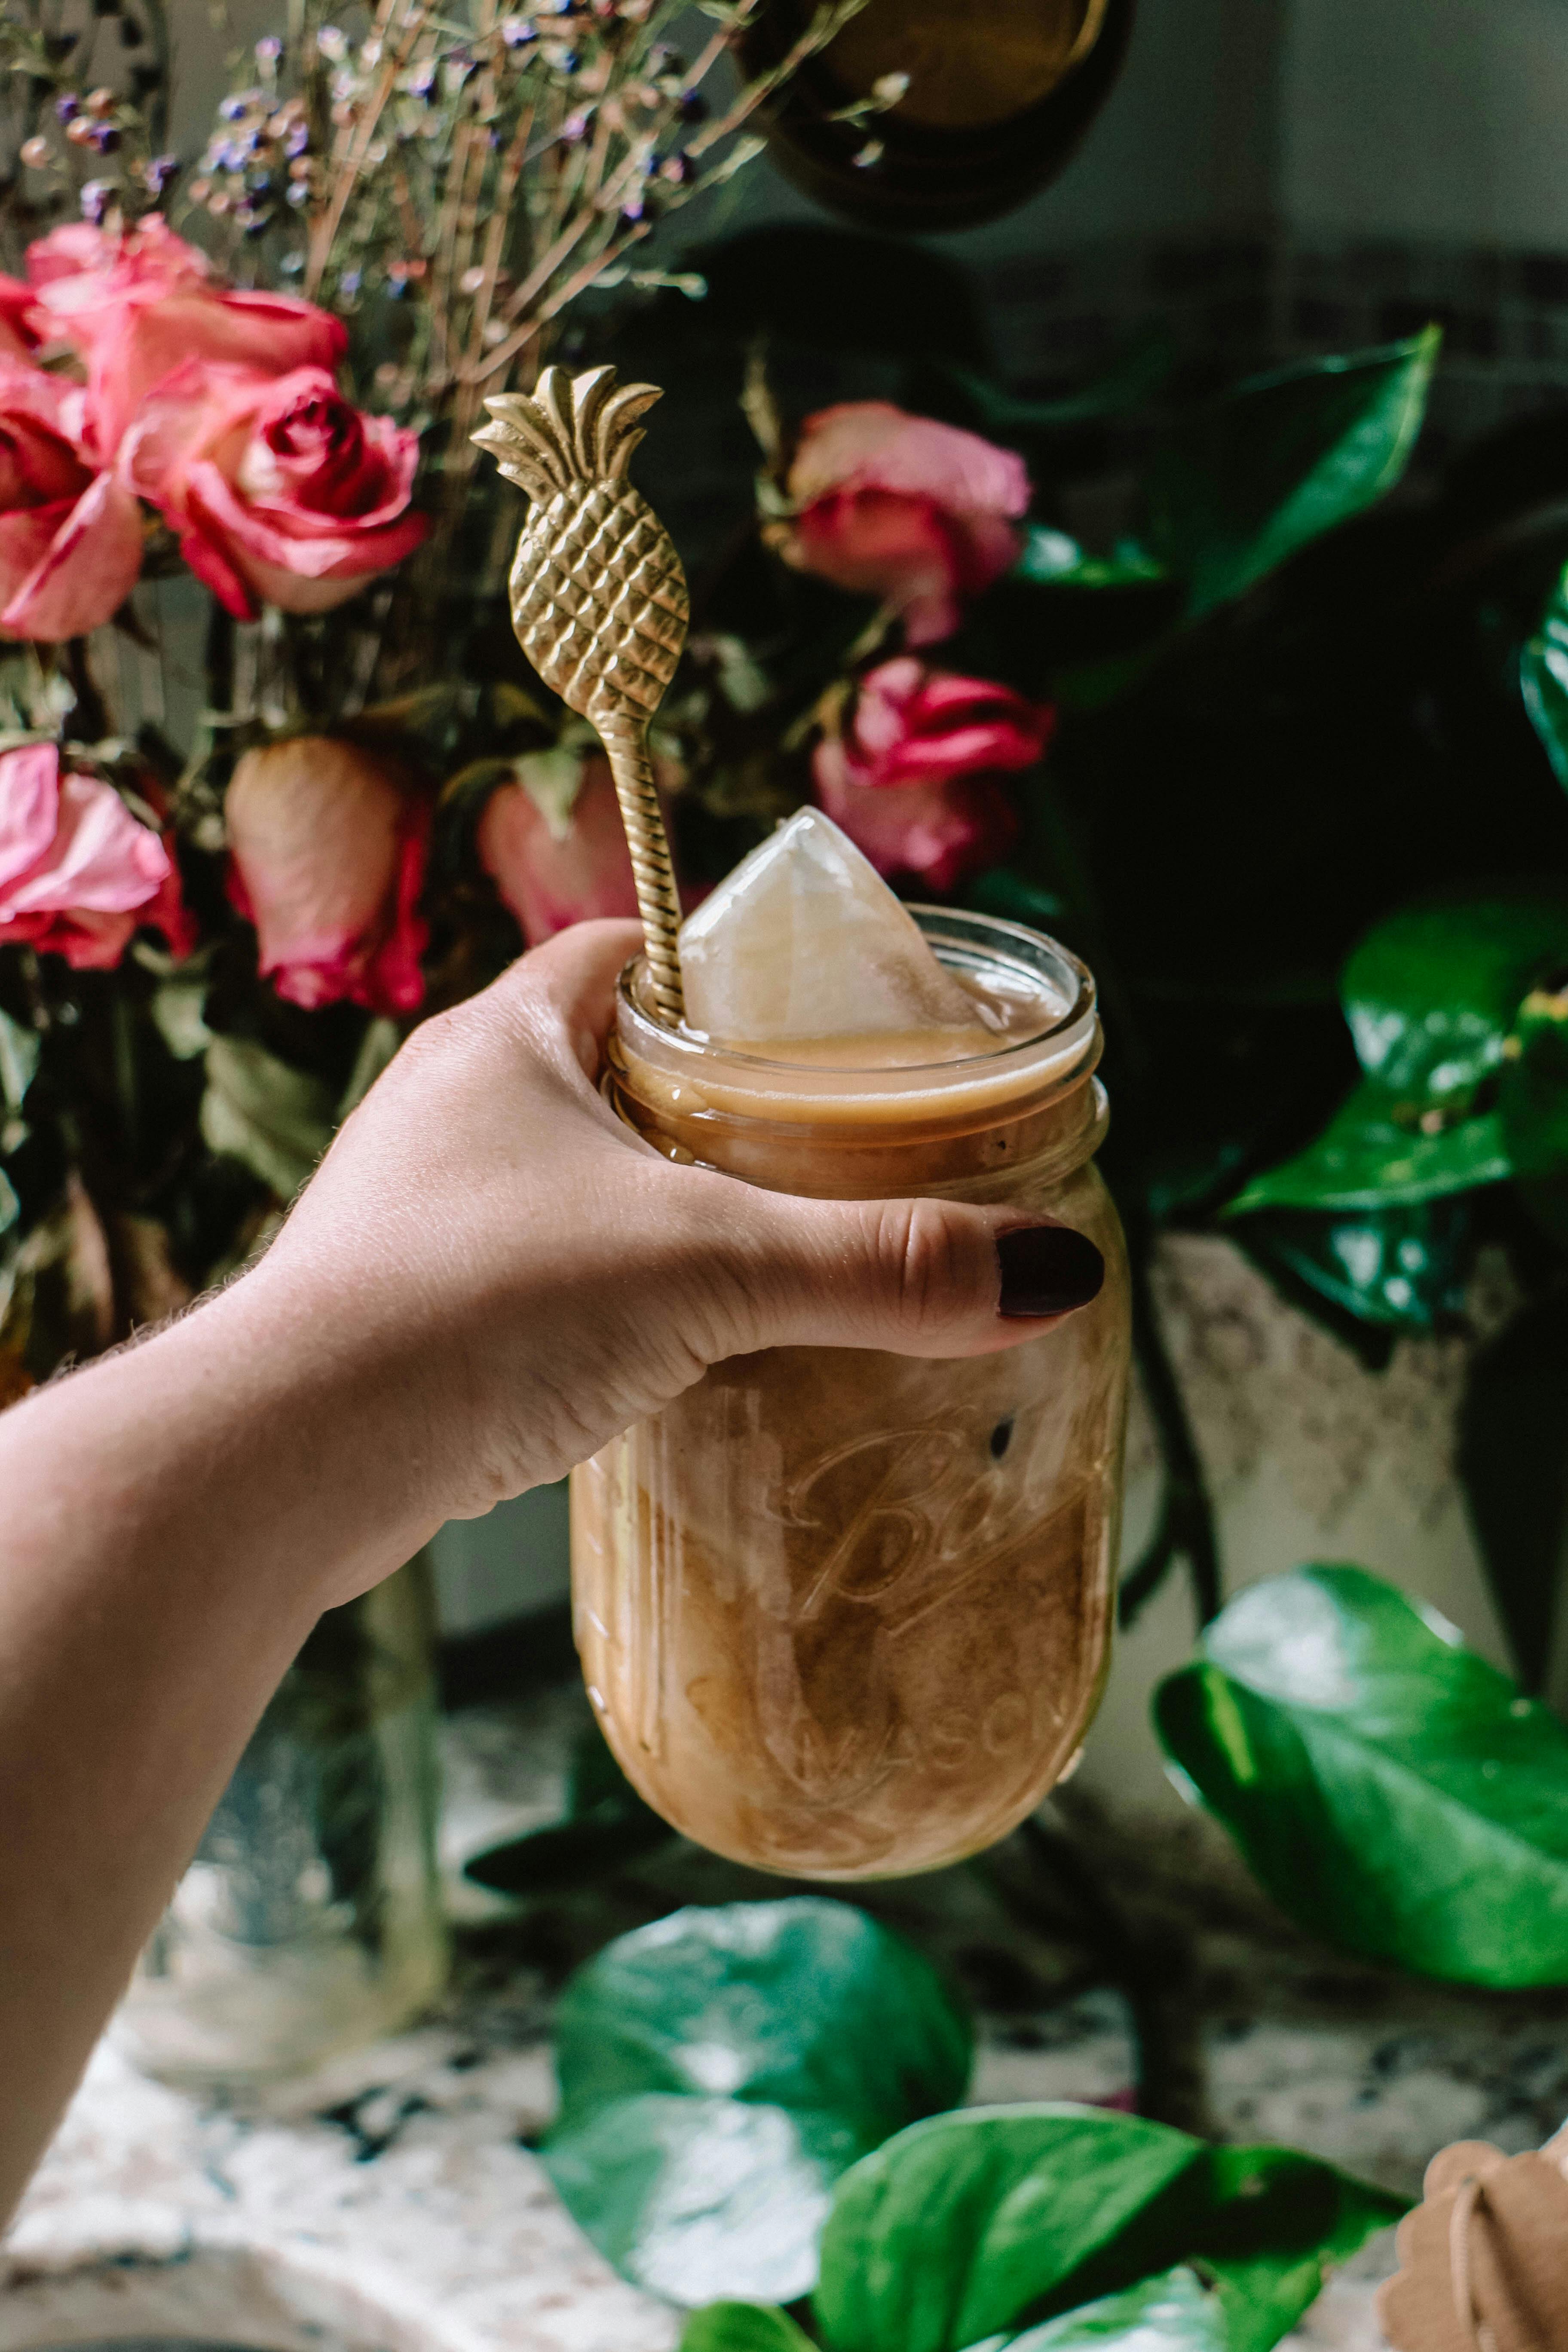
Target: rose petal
{"type": "Point", "coordinates": [29, 808]}
{"type": "Point", "coordinates": [92, 563]}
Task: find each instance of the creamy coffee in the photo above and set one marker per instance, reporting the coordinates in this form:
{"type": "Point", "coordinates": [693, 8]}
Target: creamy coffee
{"type": "Point", "coordinates": [845, 1614]}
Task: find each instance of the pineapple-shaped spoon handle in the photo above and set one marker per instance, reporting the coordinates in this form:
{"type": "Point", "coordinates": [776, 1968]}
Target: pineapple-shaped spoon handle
{"type": "Point", "coordinates": [599, 603]}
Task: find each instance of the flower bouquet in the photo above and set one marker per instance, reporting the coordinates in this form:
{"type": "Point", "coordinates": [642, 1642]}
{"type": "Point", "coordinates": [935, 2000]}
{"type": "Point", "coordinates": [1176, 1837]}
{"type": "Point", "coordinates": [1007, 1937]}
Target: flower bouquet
{"type": "Point", "coordinates": [274, 778]}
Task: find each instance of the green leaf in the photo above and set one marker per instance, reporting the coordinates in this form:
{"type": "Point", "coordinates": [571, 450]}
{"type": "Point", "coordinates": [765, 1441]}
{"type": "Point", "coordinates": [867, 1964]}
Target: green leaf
{"type": "Point", "coordinates": [1544, 680]}
{"type": "Point", "coordinates": [1256, 475]}
{"type": "Point", "coordinates": [278, 1121]}
{"type": "Point", "coordinates": [743, 2327]}
{"type": "Point", "coordinates": [1372, 1155]}
{"type": "Point", "coordinates": [1050, 559]}
{"type": "Point", "coordinates": [1000, 891]}
{"type": "Point", "coordinates": [1512, 1458]}
{"type": "Point", "coordinates": [808, 2003]}
{"type": "Point", "coordinates": [694, 2197]}
{"type": "Point", "coordinates": [1433, 998]}
{"type": "Point", "coordinates": [1402, 1268]}
{"type": "Point", "coordinates": [1532, 1104]}
{"type": "Point", "coordinates": [956, 2228]}
{"type": "Point", "coordinates": [1126, 383]}
{"type": "Point", "coordinates": [806, 2012]}
{"type": "Point", "coordinates": [1172, 2313]}
{"type": "Point", "coordinates": [971, 2224]}
{"type": "Point", "coordinates": [1393, 1791]}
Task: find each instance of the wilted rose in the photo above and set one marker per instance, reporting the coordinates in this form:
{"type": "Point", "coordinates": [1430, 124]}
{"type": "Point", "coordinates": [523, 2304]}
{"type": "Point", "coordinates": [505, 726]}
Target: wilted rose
{"type": "Point", "coordinates": [327, 846]}
{"type": "Point", "coordinates": [140, 304]}
{"type": "Point", "coordinates": [70, 535]}
{"type": "Point", "coordinates": [902, 507]}
{"type": "Point", "coordinates": [912, 776]}
{"type": "Point", "coordinates": [79, 874]}
{"type": "Point", "coordinates": [556, 865]}
{"type": "Point", "coordinates": [280, 491]}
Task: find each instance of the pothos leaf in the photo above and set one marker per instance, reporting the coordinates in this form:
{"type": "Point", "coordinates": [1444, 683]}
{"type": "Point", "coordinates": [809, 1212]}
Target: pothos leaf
{"type": "Point", "coordinates": [974, 2223]}
{"type": "Point", "coordinates": [719, 2069]}
{"type": "Point", "coordinates": [743, 2327]}
{"type": "Point", "coordinates": [1392, 1790]}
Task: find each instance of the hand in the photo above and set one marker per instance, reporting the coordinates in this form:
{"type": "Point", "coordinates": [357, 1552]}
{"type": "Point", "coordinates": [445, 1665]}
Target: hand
{"type": "Point", "coordinates": [542, 1277]}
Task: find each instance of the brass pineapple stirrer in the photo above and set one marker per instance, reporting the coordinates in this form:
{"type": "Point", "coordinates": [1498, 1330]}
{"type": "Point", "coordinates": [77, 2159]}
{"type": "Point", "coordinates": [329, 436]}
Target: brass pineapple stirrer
{"type": "Point", "coordinates": [599, 603]}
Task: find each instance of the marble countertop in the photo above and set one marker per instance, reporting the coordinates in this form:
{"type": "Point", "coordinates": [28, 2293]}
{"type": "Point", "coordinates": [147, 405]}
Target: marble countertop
{"type": "Point", "coordinates": [392, 2201]}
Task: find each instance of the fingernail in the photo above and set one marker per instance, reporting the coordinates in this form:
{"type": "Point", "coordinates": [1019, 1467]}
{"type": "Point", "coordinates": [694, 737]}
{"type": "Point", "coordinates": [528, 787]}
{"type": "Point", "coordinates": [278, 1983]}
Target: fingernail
{"type": "Point", "coordinates": [1045, 1270]}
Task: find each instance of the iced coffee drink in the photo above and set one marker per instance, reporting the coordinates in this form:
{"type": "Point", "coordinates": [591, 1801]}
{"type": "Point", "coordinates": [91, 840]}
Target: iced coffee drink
{"type": "Point", "coordinates": [845, 1614]}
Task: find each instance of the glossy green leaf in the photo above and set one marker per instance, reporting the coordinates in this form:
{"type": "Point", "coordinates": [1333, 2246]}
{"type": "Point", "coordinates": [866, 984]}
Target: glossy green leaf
{"type": "Point", "coordinates": [1392, 1790]}
{"type": "Point", "coordinates": [1402, 1268]}
{"type": "Point", "coordinates": [1173, 2312]}
{"type": "Point", "coordinates": [1532, 1102]}
{"type": "Point", "coordinates": [1374, 1156]}
{"type": "Point", "coordinates": [1259, 473]}
{"type": "Point", "coordinates": [720, 2068]}
{"type": "Point", "coordinates": [974, 2223]}
{"type": "Point", "coordinates": [694, 2197]}
{"type": "Point", "coordinates": [955, 2229]}
{"type": "Point", "coordinates": [743, 2327]}
{"type": "Point", "coordinates": [1433, 998]}
{"type": "Point", "coordinates": [1512, 1459]}
{"type": "Point", "coordinates": [808, 2003]}
{"type": "Point", "coordinates": [1544, 680]}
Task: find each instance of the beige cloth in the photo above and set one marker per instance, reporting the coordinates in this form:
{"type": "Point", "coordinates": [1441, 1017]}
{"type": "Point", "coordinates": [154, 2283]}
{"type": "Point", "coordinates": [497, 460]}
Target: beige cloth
{"type": "Point", "coordinates": [1483, 2260]}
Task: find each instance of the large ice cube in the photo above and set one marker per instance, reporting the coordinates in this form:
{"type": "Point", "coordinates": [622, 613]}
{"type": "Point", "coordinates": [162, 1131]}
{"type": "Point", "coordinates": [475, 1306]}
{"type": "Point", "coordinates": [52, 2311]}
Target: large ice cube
{"type": "Point", "coordinates": [805, 939]}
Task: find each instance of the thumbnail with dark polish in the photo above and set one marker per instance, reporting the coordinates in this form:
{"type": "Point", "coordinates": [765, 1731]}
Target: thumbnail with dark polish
{"type": "Point", "coordinates": [1046, 1269]}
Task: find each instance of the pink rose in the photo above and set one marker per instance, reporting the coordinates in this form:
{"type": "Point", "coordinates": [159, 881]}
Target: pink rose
{"type": "Point", "coordinates": [902, 507]}
{"type": "Point", "coordinates": [281, 493]}
{"type": "Point", "coordinates": [17, 339]}
{"type": "Point", "coordinates": [554, 874]}
{"type": "Point", "coordinates": [77, 873]}
{"type": "Point", "coordinates": [138, 306]}
{"type": "Point", "coordinates": [912, 778]}
{"type": "Point", "coordinates": [327, 859]}
{"type": "Point", "coordinates": [70, 537]}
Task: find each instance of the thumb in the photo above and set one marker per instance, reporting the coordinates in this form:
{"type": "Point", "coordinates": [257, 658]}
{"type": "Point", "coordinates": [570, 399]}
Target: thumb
{"type": "Point", "coordinates": [915, 1277]}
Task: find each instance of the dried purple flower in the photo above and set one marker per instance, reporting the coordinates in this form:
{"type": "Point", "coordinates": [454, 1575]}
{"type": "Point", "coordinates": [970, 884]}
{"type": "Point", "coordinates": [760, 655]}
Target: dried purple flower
{"type": "Point", "coordinates": [691, 106]}
{"type": "Point", "coordinates": [332, 43]}
{"type": "Point", "coordinates": [424, 79]}
{"type": "Point", "coordinates": [68, 107]}
{"type": "Point", "coordinates": [350, 281]}
{"type": "Point", "coordinates": [269, 49]}
{"type": "Point", "coordinates": [517, 32]}
{"type": "Point", "coordinates": [104, 138]}
{"type": "Point", "coordinates": [574, 130]}
{"type": "Point", "coordinates": [678, 169]}
{"type": "Point", "coordinates": [160, 174]}
{"type": "Point", "coordinates": [96, 198]}
{"type": "Point", "coordinates": [236, 108]}
{"type": "Point", "coordinates": [297, 142]}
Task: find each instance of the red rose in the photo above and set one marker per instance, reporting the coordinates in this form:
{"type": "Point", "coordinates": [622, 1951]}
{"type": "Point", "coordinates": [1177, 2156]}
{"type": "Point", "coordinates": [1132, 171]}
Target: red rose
{"type": "Point", "coordinates": [559, 869]}
{"type": "Point", "coordinates": [138, 306]}
{"type": "Point", "coordinates": [70, 536]}
{"type": "Point", "coordinates": [280, 492]}
{"type": "Point", "coordinates": [77, 873]}
{"type": "Point", "coordinates": [902, 507]}
{"type": "Point", "coordinates": [327, 859]}
{"type": "Point", "coordinates": [912, 778]}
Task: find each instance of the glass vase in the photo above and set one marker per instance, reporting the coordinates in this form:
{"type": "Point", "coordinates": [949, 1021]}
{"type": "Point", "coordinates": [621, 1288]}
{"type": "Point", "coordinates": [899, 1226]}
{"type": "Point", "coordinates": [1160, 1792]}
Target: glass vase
{"type": "Point", "coordinates": [310, 1921]}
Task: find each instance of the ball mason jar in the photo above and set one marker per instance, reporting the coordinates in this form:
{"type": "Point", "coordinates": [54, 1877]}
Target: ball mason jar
{"type": "Point", "coordinates": [845, 1614]}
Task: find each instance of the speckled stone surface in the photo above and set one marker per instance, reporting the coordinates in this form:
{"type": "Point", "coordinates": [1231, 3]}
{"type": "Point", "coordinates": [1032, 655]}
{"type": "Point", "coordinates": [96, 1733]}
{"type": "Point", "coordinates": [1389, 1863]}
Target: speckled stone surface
{"type": "Point", "coordinates": [391, 2200]}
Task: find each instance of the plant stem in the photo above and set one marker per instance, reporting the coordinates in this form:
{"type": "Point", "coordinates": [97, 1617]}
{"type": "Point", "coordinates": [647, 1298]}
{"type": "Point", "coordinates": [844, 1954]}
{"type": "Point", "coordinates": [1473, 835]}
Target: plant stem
{"type": "Point", "coordinates": [1185, 1529]}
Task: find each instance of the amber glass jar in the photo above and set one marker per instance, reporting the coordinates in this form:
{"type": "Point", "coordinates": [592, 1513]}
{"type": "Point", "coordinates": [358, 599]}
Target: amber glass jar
{"type": "Point", "coordinates": [844, 1614]}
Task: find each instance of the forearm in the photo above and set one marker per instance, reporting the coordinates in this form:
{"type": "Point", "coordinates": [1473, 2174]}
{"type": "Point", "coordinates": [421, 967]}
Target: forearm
{"type": "Point", "coordinates": [173, 1521]}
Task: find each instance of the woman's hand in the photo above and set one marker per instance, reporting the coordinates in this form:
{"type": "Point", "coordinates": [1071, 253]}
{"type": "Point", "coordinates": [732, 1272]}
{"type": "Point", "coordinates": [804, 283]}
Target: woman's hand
{"type": "Point", "coordinates": [485, 1279]}
{"type": "Point", "coordinates": [545, 1277]}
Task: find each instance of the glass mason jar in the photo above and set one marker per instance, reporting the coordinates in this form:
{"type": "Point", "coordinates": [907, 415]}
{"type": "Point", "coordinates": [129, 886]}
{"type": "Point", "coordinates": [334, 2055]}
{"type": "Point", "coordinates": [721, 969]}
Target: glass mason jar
{"type": "Point", "coordinates": [845, 1614]}
{"type": "Point", "coordinates": [310, 1920]}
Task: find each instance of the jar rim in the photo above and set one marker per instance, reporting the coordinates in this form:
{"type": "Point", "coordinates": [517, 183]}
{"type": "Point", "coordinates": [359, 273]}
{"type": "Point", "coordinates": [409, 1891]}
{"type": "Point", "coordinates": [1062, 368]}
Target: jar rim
{"type": "Point", "coordinates": [1064, 1047]}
